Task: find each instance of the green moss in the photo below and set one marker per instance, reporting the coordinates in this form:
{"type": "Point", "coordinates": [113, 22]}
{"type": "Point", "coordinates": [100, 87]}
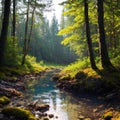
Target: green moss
{"type": "Point", "coordinates": [4, 100]}
{"type": "Point", "coordinates": [45, 119]}
{"type": "Point", "coordinates": [108, 115]}
{"type": "Point", "coordinates": [19, 113]}
{"type": "Point", "coordinates": [2, 75]}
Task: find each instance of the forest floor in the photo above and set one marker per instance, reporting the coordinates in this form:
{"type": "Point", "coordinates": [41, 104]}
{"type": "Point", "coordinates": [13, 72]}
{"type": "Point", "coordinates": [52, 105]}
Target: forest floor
{"type": "Point", "coordinates": [14, 90]}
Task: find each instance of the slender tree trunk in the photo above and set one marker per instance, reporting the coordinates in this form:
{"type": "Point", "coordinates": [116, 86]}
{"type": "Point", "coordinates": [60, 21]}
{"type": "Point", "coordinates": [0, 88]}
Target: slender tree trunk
{"type": "Point", "coordinates": [31, 29]}
{"type": "Point", "coordinates": [4, 31]}
{"type": "Point", "coordinates": [89, 41]}
{"type": "Point", "coordinates": [26, 38]}
{"type": "Point", "coordinates": [14, 18]}
{"type": "Point", "coordinates": [106, 64]}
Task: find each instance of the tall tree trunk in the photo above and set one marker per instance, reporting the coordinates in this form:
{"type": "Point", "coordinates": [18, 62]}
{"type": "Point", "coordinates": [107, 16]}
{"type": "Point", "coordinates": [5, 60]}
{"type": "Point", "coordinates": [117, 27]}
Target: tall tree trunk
{"type": "Point", "coordinates": [26, 38]}
{"type": "Point", "coordinates": [4, 31]}
{"type": "Point", "coordinates": [14, 27]}
{"type": "Point", "coordinates": [89, 41]}
{"type": "Point", "coordinates": [31, 29]}
{"type": "Point", "coordinates": [14, 18]}
{"type": "Point", "coordinates": [106, 64]}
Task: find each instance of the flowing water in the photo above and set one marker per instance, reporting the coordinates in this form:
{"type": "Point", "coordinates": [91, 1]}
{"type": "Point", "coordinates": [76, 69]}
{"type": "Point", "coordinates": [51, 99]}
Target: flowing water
{"type": "Point", "coordinates": [63, 105]}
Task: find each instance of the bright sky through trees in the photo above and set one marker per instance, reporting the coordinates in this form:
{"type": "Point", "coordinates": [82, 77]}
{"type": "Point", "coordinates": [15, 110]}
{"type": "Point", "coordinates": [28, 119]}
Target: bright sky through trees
{"type": "Point", "coordinates": [57, 10]}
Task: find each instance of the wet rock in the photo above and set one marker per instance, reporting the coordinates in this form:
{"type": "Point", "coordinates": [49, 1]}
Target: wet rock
{"type": "Point", "coordinates": [56, 77]}
{"type": "Point", "coordinates": [51, 115]}
{"type": "Point", "coordinates": [9, 91]}
{"type": "Point", "coordinates": [42, 108]}
{"type": "Point", "coordinates": [20, 86]}
{"type": "Point", "coordinates": [33, 104]}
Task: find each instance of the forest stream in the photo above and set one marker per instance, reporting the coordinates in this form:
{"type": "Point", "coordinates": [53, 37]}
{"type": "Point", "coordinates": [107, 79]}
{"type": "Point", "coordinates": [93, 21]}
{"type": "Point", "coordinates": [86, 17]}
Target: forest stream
{"type": "Point", "coordinates": [63, 105]}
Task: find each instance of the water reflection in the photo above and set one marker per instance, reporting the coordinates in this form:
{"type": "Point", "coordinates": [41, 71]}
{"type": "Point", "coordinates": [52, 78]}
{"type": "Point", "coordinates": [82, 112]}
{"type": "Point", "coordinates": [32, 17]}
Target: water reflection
{"type": "Point", "coordinates": [63, 105]}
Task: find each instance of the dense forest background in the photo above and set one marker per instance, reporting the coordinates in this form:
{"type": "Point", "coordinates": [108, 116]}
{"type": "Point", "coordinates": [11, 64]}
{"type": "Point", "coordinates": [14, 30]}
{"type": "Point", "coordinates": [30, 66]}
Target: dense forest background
{"type": "Point", "coordinates": [89, 29]}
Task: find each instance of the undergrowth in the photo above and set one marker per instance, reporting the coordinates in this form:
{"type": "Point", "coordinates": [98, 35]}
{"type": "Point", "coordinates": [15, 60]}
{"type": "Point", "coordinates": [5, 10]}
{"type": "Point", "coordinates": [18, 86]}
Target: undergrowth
{"type": "Point", "coordinates": [76, 67]}
{"type": "Point", "coordinates": [81, 72]}
{"type": "Point", "coordinates": [31, 66]}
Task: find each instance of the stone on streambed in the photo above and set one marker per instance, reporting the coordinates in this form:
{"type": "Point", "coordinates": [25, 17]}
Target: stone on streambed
{"type": "Point", "coordinates": [39, 107]}
{"type": "Point", "coordinates": [42, 108]}
{"type": "Point", "coordinates": [51, 115]}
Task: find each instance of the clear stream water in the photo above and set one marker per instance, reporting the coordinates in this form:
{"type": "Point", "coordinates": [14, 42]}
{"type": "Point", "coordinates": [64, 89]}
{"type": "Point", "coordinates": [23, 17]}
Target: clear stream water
{"type": "Point", "coordinates": [62, 104]}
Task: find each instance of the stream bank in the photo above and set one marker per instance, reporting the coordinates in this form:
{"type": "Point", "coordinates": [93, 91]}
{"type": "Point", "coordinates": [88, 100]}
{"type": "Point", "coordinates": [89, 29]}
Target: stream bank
{"type": "Point", "coordinates": [95, 107]}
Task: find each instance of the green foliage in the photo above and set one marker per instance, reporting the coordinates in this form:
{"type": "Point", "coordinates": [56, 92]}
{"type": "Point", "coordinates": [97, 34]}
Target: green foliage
{"type": "Point", "coordinates": [12, 55]}
{"type": "Point", "coordinates": [4, 100]}
{"type": "Point", "coordinates": [74, 68]}
{"type": "Point", "coordinates": [19, 113]}
{"type": "Point", "coordinates": [74, 32]}
{"type": "Point", "coordinates": [31, 66]}
{"type": "Point", "coordinates": [116, 61]}
{"type": "Point", "coordinates": [70, 39]}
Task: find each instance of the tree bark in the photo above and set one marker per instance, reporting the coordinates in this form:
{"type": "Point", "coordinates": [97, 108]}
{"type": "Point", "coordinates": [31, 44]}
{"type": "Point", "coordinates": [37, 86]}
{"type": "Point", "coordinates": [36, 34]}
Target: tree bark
{"type": "Point", "coordinates": [89, 41]}
{"type": "Point", "coordinates": [31, 28]}
{"type": "Point", "coordinates": [4, 31]}
{"type": "Point", "coordinates": [106, 64]}
{"type": "Point", "coordinates": [26, 38]}
{"type": "Point", "coordinates": [14, 18]}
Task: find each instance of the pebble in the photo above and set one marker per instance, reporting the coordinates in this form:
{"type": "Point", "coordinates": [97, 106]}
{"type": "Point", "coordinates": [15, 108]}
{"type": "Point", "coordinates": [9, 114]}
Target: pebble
{"type": "Point", "coordinates": [81, 117]}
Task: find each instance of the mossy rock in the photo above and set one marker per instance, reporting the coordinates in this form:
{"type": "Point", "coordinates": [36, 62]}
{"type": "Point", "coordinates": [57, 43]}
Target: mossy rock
{"type": "Point", "coordinates": [18, 113]}
{"type": "Point", "coordinates": [4, 100]}
{"type": "Point", "coordinates": [46, 119]}
{"type": "Point", "coordinates": [80, 75]}
{"type": "Point", "coordinates": [108, 115]}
